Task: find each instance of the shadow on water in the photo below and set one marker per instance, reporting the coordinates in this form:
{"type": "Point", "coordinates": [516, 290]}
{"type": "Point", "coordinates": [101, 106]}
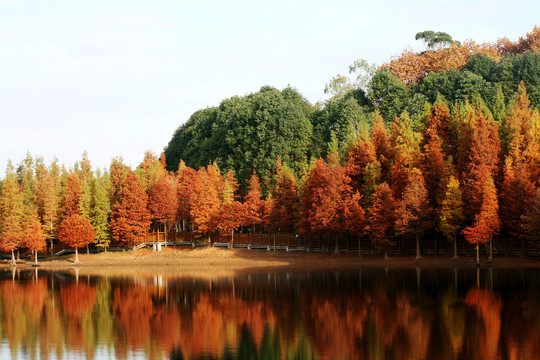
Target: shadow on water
{"type": "Point", "coordinates": [365, 314]}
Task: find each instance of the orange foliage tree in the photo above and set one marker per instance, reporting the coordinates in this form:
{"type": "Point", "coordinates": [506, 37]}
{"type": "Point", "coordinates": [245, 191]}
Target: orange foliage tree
{"type": "Point", "coordinates": [281, 208]}
{"type": "Point", "coordinates": [185, 183]}
{"type": "Point", "coordinates": [486, 222]}
{"type": "Point", "coordinates": [323, 197]}
{"type": "Point", "coordinates": [522, 164]}
{"type": "Point", "coordinates": [382, 217]}
{"type": "Point", "coordinates": [411, 67]}
{"type": "Point", "coordinates": [254, 203]}
{"type": "Point", "coordinates": [355, 218]}
{"type": "Point", "coordinates": [162, 201]}
{"type": "Point", "coordinates": [130, 218]}
{"type": "Point", "coordinates": [34, 239]}
{"type": "Point", "coordinates": [206, 199]}
{"type": "Point", "coordinates": [76, 231]}
{"type": "Point", "coordinates": [413, 213]}
{"type": "Point", "coordinates": [231, 211]}
{"type": "Point", "coordinates": [72, 195]}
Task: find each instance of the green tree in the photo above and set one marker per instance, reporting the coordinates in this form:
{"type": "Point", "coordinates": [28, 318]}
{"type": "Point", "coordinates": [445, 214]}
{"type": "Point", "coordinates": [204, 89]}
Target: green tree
{"type": "Point", "coordinates": [247, 133]}
{"type": "Point", "coordinates": [434, 39]}
{"type": "Point", "coordinates": [101, 210]}
{"type": "Point", "coordinates": [389, 95]}
{"type": "Point", "coordinates": [451, 216]}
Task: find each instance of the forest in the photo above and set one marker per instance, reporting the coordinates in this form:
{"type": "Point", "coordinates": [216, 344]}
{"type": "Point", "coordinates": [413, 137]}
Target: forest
{"type": "Point", "coordinates": [444, 142]}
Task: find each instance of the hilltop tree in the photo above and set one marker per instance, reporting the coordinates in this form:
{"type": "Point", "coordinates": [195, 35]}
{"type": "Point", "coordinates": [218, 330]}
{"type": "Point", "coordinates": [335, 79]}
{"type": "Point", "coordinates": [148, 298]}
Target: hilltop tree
{"type": "Point", "coordinates": [77, 232]}
{"type": "Point", "coordinates": [382, 218]}
{"type": "Point", "coordinates": [130, 218]}
{"type": "Point", "coordinates": [413, 211]}
{"type": "Point", "coordinates": [434, 39]}
{"type": "Point", "coordinates": [162, 201]}
{"type": "Point", "coordinates": [451, 216]}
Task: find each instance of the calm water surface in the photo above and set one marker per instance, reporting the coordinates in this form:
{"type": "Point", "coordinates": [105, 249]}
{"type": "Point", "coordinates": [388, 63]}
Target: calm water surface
{"type": "Point", "coordinates": [364, 314]}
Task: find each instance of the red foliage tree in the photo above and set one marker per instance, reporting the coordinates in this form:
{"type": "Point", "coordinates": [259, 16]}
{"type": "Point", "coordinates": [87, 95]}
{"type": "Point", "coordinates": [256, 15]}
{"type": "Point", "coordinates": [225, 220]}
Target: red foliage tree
{"type": "Point", "coordinates": [76, 231]}
{"type": "Point", "coordinates": [486, 222]}
{"type": "Point", "coordinates": [382, 218]}
{"type": "Point", "coordinates": [321, 209]}
{"type": "Point", "coordinates": [162, 201]}
{"type": "Point", "coordinates": [130, 218]}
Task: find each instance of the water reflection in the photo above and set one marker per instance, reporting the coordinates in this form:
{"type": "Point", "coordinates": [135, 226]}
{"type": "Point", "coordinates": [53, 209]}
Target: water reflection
{"type": "Point", "coordinates": [368, 314]}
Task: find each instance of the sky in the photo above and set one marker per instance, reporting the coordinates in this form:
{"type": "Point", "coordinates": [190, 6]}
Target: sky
{"type": "Point", "coordinates": [117, 78]}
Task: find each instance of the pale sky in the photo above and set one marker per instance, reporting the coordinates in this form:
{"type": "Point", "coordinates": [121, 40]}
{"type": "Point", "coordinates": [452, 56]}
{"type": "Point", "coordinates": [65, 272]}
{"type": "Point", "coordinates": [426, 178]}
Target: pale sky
{"type": "Point", "coordinates": [118, 77]}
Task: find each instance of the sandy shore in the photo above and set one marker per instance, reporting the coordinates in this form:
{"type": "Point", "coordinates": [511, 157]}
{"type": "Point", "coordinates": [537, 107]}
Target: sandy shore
{"type": "Point", "coordinates": [224, 262]}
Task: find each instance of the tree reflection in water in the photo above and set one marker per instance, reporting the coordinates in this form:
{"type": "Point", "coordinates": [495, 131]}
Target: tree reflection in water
{"type": "Point", "coordinates": [369, 314]}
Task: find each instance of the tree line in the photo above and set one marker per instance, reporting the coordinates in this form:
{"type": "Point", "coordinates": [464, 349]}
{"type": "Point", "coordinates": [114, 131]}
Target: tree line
{"type": "Point", "coordinates": [455, 153]}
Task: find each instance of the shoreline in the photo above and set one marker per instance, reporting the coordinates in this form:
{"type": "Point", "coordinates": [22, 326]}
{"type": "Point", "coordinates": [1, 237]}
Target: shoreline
{"type": "Point", "coordinates": [218, 262]}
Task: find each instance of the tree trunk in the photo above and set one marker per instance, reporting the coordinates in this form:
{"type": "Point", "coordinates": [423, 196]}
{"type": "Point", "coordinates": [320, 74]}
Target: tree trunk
{"type": "Point", "coordinates": [477, 256]}
{"type": "Point", "coordinates": [359, 246]}
{"type": "Point", "coordinates": [490, 254]}
{"type": "Point", "coordinates": [165, 233]}
{"type": "Point", "coordinates": [76, 262]}
{"type": "Point", "coordinates": [35, 258]}
{"type": "Point", "coordinates": [336, 249]}
{"type": "Point", "coordinates": [454, 245]}
{"type": "Point", "coordinates": [13, 262]}
{"type": "Point", "coordinates": [232, 239]}
{"type": "Point", "coordinates": [52, 247]}
{"type": "Point", "coordinates": [386, 255]}
{"type": "Point", "coordinates": [88, 249]}
{"type": "Point", "coordinates": [418, 255]}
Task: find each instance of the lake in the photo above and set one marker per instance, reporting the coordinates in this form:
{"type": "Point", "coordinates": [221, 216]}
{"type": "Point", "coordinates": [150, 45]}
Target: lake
{"type": "Point", "coordinates": [363, 314]}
